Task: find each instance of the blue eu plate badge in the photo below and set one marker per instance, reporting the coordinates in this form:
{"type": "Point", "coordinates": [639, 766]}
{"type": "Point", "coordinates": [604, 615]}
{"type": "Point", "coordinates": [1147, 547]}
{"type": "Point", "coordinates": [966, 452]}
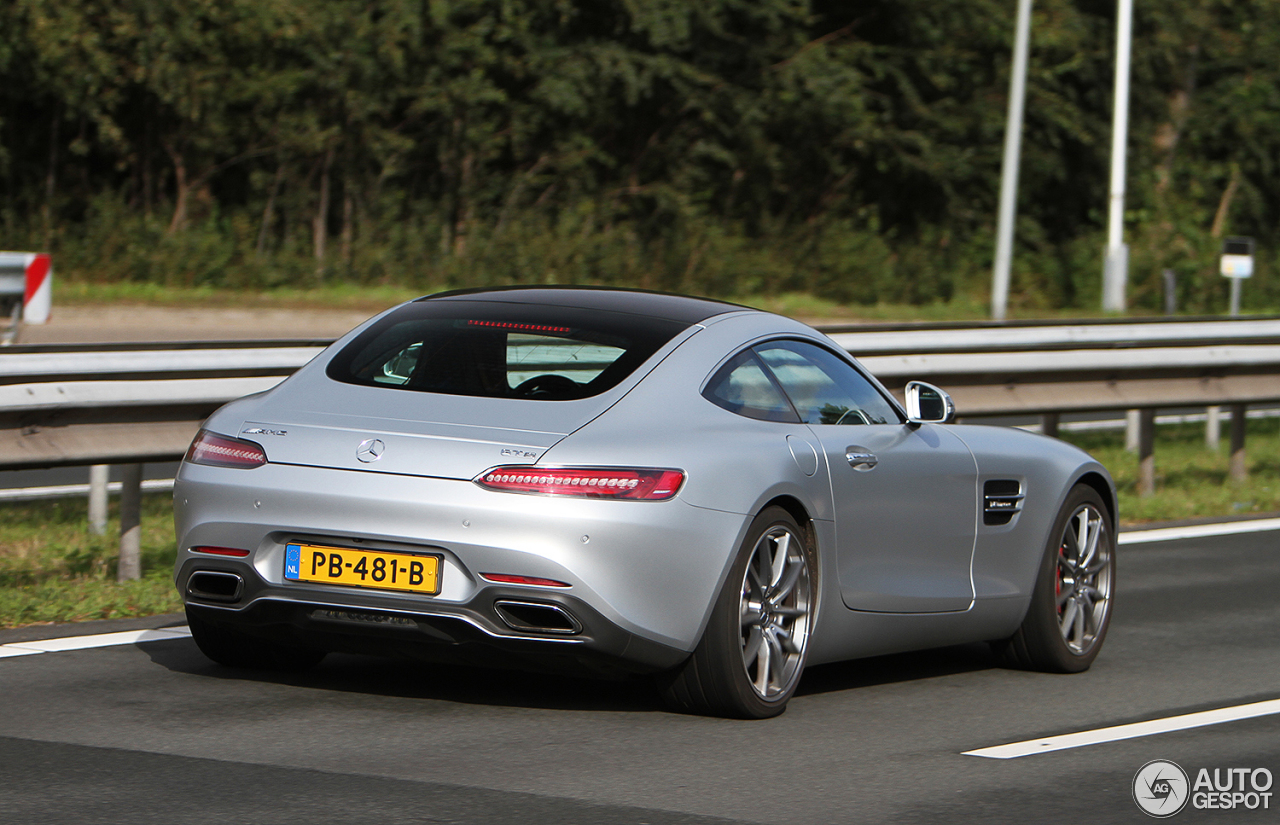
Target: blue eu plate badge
{"type": "Point", "coordinates": [292, 561]}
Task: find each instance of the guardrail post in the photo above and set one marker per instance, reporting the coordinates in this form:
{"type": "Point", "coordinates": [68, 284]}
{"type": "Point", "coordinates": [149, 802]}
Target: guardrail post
{"type": "Point", "coordinates": [1049, 424]}
{"type": "Point", "coordinates": [1131, 430]}
{"type": "Point", "coordinates": [1146, 452]}
{"type": "Point", "coordinates": [98, 474]}
{"type": "Point", "coordinates": [1212, 426]}
{"type": "Point", "coordinates": [1239, 419]}
{"type": "Point", "coordinates": [130, 523]}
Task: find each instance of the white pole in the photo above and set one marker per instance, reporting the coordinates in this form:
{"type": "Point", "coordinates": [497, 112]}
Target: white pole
{"type": "Point", "coordinates": [1009, 173]}
{"type": "Point", "coordinates": [130, 565]}
{"type": "Point", "coordinates": [98, 499]}
{"type": "Point", "coordinates": [1116, 271]}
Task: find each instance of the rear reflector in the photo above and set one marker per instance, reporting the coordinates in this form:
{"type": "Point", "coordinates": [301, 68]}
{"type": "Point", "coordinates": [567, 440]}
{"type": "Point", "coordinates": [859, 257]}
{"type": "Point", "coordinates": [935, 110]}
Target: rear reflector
{"type": "Point", "coordinates": [504, 578]}
{"type": "Point", "coordinates": [612, 482]}
{"type": "Point", "coordinates": [221, 551]}
{"type": "Point", "coordinates": [223, 451]}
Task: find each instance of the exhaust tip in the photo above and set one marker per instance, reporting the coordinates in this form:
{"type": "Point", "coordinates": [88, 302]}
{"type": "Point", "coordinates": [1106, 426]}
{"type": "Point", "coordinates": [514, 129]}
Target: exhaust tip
{"type": "Point", "coordinates": [536, 617]}
{"type": "Point", "coordinates": [210, 586]}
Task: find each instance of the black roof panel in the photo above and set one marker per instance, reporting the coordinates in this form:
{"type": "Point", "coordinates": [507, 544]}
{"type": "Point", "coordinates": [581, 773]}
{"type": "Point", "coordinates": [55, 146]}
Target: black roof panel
{"type": "Point", "coordinates": [680, 308]}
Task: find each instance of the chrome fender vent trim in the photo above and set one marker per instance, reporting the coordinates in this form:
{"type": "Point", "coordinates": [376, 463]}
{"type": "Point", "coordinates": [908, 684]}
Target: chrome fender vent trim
{"type": "Point", "coordinates": [1001, 501]}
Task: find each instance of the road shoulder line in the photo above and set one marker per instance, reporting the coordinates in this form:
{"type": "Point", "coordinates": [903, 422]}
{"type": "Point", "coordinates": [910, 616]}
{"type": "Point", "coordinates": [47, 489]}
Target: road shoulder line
{"type": "Point", "coordinates": [1134, 730]}
{"type": "Point", "coordinates": [125, 637]}
{"type": "Point", "coordinates": [1196, 531]}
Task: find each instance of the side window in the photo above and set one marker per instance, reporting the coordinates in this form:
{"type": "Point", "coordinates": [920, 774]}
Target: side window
{"type": "Point", "coordinates": [742, 386]}
{"type": "Point", "coordinates": [824, 388]}
{"type": "Point", "coordinates": [399, 367]}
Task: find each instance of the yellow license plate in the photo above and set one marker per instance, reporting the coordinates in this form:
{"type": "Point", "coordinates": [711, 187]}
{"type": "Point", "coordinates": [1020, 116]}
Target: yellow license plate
{"type": "Point", "coordinates": [376, 569]}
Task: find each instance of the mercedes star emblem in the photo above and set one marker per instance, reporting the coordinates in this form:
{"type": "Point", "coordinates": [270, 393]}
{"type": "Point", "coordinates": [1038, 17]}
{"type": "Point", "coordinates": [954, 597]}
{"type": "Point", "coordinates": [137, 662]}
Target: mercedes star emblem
{"type": "Point", "coordinates": [370, 450]}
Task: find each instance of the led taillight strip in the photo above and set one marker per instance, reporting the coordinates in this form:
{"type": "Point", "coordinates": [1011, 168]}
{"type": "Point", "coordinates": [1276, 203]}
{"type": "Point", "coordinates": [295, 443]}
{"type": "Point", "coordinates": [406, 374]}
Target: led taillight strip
{"type": "Point", "coordinates": [223, 451]}
{"type": "Point", "coordinates": [642, 484]}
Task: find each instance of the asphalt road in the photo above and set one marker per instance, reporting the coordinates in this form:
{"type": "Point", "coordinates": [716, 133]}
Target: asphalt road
{"type": "Point", "coordinates": [153, 733]}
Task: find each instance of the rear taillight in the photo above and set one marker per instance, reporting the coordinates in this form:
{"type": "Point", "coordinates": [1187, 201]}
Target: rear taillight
{"type": "Point", "coordinates": [222, 451]}
{"type": "Point", "coordinates": [586, 482]}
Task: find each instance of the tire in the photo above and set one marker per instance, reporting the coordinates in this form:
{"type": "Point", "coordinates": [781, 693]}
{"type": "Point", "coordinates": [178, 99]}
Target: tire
{"type": "Point", "coordinates": [753, 652]}
{"type": "Point", "coordinates": [1070, 610]}
{"type": "Point", "coordinates": [232, 648]}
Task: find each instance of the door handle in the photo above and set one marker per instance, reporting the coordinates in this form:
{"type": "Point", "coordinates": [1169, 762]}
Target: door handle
{"type": "Point", "coordinates": [860, 459]}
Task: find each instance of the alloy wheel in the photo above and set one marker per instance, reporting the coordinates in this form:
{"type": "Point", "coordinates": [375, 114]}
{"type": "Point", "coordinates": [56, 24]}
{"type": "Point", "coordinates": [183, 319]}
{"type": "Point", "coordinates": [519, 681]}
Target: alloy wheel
{"type": "Point", "coordinates": [1083, 583]}
{"type": "Point", "coordinates": [775, 612]}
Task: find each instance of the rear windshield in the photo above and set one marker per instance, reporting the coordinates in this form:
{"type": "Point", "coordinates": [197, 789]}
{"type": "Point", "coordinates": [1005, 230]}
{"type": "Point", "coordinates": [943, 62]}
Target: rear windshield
{"type": "Point", "coordinates": [501, 350]}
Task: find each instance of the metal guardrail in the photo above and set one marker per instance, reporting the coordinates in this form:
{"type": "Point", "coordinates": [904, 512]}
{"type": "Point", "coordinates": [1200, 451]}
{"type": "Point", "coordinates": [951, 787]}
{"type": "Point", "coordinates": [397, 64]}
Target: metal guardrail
{"type": "Point", "coordinates": [125, 404]}
{"type": "Point", "coordinates": [1092, 380]}
{"type": "Point", "coordinates": [68, 405]}
{"type": "Point", "coordinates": [28, 364]}
{"type": "Point", "coordinates": [991, 337]}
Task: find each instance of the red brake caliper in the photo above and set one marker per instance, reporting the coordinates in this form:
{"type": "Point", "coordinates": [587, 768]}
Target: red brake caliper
{"type": "Point", "coordinates": [1057, 580]}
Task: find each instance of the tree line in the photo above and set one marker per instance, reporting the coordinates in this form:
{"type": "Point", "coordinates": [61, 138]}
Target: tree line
{"type": "Point", "coordinates": [727, 147]}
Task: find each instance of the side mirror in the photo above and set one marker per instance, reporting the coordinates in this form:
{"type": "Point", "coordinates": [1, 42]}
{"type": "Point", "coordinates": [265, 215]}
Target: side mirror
{"type": "Point", "coordinates": [926, 404]}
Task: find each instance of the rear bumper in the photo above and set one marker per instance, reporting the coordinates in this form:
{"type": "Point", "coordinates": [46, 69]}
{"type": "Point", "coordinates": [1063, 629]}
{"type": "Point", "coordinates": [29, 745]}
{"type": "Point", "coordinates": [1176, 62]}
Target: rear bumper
{"type": "Point", "coordinates": [577, 638]}
{"type": "Point", "coordinates": [641, 576]}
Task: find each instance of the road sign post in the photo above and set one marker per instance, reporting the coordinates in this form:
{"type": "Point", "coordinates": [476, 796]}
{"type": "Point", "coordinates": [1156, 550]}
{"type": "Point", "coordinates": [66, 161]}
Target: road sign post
{"type": "Point", "coordinates": [26, 291]}
{"type": "Point", "coordinates": [1236, 264]}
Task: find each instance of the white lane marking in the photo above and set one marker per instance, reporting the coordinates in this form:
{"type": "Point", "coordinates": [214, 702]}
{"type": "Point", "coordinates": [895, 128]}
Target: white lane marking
{"type": "Point", "coordinates": [1197, 531]}
{"type": "Point", "coordinates": [6, 651]}
{"type": "Point", "coordinates": [126, 637]}
{"type": "Point", "coordinates": [1130, 731]}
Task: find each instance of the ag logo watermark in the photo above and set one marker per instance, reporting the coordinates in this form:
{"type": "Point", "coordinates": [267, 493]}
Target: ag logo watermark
{"type": "Point", "coordinates": [1162, 788]}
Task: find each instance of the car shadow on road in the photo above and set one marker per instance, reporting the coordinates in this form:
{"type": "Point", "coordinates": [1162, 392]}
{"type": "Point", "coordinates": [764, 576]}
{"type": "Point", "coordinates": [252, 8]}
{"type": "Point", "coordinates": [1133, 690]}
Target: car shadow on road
{"type": "Point", "coordinates": [412, 679]}
{"type": "Point", "coordinates": [898, 667]}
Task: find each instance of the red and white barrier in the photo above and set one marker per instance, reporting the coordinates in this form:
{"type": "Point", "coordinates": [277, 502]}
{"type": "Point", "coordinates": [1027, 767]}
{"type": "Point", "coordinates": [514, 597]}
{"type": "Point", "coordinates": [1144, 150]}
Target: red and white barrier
{"type": "Point", "coordinates": [34, 277]}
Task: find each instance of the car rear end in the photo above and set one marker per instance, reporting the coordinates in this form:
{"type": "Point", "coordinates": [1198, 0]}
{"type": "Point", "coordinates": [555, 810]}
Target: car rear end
{"type": "Point", "coordinates": [389, 496]}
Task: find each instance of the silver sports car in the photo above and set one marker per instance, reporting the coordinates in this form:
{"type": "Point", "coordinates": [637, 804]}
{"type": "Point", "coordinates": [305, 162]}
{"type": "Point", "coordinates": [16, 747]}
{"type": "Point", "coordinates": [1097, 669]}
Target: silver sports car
{"type": "Point", "coordinates": [630, 482]}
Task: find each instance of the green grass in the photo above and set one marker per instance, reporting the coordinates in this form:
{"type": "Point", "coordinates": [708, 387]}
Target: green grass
{"type": "Point", "coordinates": [53, 570]}
{"type": "Point", "coordinates": [330, 296]}
{"type": "Point", "coordinates": [1191, 480]}
{"type": "Point", "coordinates": [377, 297]}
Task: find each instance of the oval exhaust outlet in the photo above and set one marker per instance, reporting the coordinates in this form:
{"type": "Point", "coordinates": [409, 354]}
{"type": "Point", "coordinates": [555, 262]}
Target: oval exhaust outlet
{"type": "Point", "coordinates": [537, 617]}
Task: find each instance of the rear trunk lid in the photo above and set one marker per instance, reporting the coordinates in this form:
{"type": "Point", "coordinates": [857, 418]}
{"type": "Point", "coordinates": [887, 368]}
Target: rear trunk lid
{"type": "Point", "coordinates": [418, 434]}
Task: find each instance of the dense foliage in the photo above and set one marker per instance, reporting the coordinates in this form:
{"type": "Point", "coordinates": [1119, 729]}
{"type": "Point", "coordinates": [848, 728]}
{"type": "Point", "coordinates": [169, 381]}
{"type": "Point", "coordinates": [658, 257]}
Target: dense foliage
{"type": "Point", "coordinates": [724, 147]}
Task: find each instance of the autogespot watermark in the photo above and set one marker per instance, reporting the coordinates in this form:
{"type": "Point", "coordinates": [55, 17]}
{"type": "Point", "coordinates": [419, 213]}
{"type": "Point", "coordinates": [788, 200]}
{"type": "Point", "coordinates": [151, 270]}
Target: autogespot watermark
{"type": "Point", "coordinates": [1162, 788]}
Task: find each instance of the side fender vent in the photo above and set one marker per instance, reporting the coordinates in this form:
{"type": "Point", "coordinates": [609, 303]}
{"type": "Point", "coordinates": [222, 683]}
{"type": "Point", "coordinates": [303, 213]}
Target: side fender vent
{"type": "Point", "coordinates": [1001, 501]}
